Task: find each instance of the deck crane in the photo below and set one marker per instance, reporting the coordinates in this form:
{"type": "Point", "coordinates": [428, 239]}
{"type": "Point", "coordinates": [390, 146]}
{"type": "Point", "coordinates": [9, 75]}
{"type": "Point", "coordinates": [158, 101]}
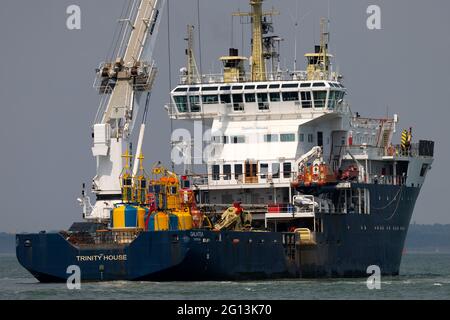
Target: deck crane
{"type": "Point", "coordinates": [120, 81]}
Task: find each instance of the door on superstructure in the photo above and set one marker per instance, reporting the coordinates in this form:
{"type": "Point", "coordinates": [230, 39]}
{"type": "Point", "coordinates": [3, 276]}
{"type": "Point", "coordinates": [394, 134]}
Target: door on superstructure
{"type": "Point", "coordinates": [320, 138]}
{"type": "Point", "coordinates": [251, 172]}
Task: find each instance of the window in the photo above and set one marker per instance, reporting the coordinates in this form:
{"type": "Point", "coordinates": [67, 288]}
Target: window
{"type": "Point", "coordinates": [225, 98]}
{"type": "Point", "coordinates": [195, 103]}
{"type": "Point", "coordinates": [262, 86]}
{"type": "Point", "coordinates": [210, 99]}
{"type": "Point", "coordinates": [181, 102]}
{"type": "Point", "coordinates": [287, 137]}
{"type": "Point", "coordinates": [194, 89]}
{"type": "Point", "coordinates": [424, 169]}
{"type": "Point", "coordinates": [209, 88]}
{"type": "Point", "coordinates": [332, 100]}
{"type": "Point", "coordinates": [238, 102]}
{"type": "Point", "coordinates": [237, 139]}
{"type": "Point", "coordinates": [220, 139]}
{"type": "Point", "coordinates": [319, 99]}
{"type": "Point", "coordinates": [290, 85]}
{"type": "Point", "coordinates": [275, 170]}
{"type": "Point", "coordinates": [287, 168]}
{"type": "Point", "coordinates": [250, 97]}
{"type": "Point", "coordinates": [225, 88]}
{"type": "Point", "coordinates": [305, 85]}
{"type": "Point", "coordinates": [237, 171]}
{"type": "Point", "coordinates": [310, 138]}
{"type": "Point", "coordinates": [262, 97]}
{"type": "Point", "coordinates": [226, 172]}
{"type": "Point", "coordinates": [251, 87]}
{"type": "Point", "coordinates": [301, 137]}
{"type": "Point", "coordinates": [274, 86]}
{"type": "Point", "coordinates": [290, 96]}
{"type": "Point", "coordinates": [215, 172]}
{"type": "Point", "coordinates": [306, 99]}
{"type": "Point", "coordinates": [237, 98]}
{"type": "Point", "coordinates": [275, 97]}
{"type": "Point", "coordinates": [181, 89]}
{"type": "Point", "coordinates": [270, 138]}
{"type": "Point", "coordinates": [237, 88]}
{"type": "Point", "coordinates": [263, 101]}
{"type": "Point", "coordinates": [264, 169]}
{"type": "Point", "coordinates": [319, 84]}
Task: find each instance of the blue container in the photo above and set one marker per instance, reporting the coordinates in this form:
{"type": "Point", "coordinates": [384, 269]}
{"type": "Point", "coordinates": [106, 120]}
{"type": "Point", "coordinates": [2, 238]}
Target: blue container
{"type": "Point", "coordinates": [173, 222]}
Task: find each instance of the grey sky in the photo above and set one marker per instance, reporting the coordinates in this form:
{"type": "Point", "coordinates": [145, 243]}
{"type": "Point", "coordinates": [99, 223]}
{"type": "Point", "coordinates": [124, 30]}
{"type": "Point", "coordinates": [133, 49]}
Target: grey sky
{"type": "Point", "coordinates": [48, 103]}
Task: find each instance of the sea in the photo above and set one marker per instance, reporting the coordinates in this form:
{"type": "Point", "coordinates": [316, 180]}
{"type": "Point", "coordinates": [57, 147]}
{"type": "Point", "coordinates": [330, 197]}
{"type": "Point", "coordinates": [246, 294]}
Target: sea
{"type": "Point", "coordinates": [423, 276]}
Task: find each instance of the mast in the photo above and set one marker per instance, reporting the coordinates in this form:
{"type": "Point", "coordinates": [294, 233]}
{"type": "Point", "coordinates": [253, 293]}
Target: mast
{"type": "Point", "coordinates": [319, 61]}
{"type": "Point", "coordinates": [193, 76]}
{"type": "Point", "coordinates": [259, 28]}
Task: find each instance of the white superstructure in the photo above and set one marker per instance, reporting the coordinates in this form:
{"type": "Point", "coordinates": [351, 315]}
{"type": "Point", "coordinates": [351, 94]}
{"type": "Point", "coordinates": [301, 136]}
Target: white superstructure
{"type": "Point", "coordinates": [266, 128]}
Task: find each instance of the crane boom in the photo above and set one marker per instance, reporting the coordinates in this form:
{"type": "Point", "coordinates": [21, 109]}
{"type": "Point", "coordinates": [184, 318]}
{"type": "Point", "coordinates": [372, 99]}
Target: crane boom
{"type": "Point", "coordinates": [120, 81]}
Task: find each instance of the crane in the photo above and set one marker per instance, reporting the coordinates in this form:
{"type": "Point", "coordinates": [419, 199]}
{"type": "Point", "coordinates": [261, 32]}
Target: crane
{"type": "Point", "coordinates": [121, 81]}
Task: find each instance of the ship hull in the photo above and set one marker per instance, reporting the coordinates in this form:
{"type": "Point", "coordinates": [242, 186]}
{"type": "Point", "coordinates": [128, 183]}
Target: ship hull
{"type": "Point", "coordinates": [347, 246]}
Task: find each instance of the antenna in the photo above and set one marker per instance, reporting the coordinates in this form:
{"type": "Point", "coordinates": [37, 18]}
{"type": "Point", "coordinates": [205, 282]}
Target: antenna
{"type": "Point", "coordinates": [193, 76]}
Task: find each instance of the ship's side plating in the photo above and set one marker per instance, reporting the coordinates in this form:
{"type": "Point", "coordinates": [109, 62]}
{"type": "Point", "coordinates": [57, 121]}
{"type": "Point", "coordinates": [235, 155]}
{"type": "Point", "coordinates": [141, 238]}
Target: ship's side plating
{"type": "Point", "coordinates": [345, 247]}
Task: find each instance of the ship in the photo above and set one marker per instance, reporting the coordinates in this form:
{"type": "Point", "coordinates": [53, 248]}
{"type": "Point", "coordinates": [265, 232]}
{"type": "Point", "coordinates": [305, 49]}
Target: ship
{"type": "Point", "coordinates": [294, 183]}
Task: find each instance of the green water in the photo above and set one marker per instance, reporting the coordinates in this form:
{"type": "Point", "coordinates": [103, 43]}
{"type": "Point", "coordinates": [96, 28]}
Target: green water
{"type": "Point", "coordinates": [423, 276]}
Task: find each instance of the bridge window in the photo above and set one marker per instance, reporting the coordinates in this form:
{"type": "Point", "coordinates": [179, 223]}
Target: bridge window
{"type": "Point", "coordinates": [290, 85]}
{"type": "Point", "coordinates": [262, 86]}
{"type": "Point", "coordinates": [250, 97]}
{"type": "Point", "coordinates": [332, 100]}
{"type": "Point", "coordinates": [275, 97]}
{"type": "Point", "coordinates": [236, 88]}
{"type": "Point", "coordinates": [319, 84]}
{"type": "Point", "coordinates": [274, 86]}
{"type": "Point", "coordinates": [181, 102]}
{"type": "Point", "coordinates": [306, 99]}
{"type": "Point", "coordinates": [251, 87]}
{"type": "Point", "coordinates": [305, 85]}
{"type": "Point", "coordinates": [270, 138]}
{"type": "Point", "coordinates": [210, 99]}
{"type": "Point", "coordinates": [209, 89]}
{"type": "Point", "coordinates": [287, 137]}
{"type": "Point", "coordinates": [225, 98]}
{"type": "Point", "coordinates": [319, 99]}
{"type": "Point", "coordinates": [290, 96]}
{"type": "Point", "coordinates": [194, 101]}
{"type": "Point", "coordinates": [181, 89]}
{"type": "Point", "coordinates": [225, 88]}
{"type": "Point", "coordinates": [263, 101]}
{"type": "Point", "coordinates": [193, 89]}
{"type": "Point", "coordinates": [238, 101]}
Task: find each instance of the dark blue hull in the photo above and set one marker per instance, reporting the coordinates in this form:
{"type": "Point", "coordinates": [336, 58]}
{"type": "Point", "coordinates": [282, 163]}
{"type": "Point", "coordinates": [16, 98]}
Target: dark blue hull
{"type": "Point", "coordinates": [347, 245]}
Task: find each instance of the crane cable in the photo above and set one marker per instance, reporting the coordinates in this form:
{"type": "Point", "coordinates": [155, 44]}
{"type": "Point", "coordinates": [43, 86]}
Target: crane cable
{"type": "Point", "coordinates": [170, 78]}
